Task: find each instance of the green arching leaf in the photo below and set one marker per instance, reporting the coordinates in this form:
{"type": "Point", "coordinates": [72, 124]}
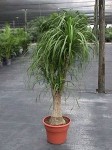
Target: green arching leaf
{"type": "Point", "coordinates": [62, 48]}
{"type": "Point", "coordinates": [56, 45]}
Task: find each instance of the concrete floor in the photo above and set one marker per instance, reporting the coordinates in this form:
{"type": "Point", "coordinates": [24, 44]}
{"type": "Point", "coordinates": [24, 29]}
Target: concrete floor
{"type": "Point", "coordinates": [21, 116]}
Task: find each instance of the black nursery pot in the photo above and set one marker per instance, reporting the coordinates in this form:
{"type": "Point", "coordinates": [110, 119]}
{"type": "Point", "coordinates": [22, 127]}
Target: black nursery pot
{"type": "Point", "coordinates": [6, 61]}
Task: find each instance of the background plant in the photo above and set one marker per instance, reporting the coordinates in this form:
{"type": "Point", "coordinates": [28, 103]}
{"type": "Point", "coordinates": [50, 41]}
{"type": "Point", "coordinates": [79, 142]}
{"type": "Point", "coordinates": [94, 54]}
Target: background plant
{"type": "Point", "coordinates": [21, 39]}
{"type": "Point", "coordinates": [34, 28]}
{"type": "Point", "coordinates": [11, 41]}
{"type": "Point", "coordinates": [1, 47]}
{"type": "Point", "coordinates": [6, 42]}
{"type": "Point", "coordinates": [108, 34]}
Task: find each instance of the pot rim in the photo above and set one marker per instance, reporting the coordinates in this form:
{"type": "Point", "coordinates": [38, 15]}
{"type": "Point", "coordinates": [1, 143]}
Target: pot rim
{"type": "Point", "coordinates": [56, 126]}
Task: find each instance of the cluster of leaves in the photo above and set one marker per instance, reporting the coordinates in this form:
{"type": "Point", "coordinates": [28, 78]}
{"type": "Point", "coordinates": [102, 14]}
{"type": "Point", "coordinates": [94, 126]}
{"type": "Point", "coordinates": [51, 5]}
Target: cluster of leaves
{"type": "Point", "coordinates": [11, 40]}
{"type": "Point", "coordinates": [62, 47]}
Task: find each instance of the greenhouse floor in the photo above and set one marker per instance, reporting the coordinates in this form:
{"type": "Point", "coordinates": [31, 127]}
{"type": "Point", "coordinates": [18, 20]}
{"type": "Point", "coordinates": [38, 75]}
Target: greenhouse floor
{"type": "Point", "coordinates": [21, 116]}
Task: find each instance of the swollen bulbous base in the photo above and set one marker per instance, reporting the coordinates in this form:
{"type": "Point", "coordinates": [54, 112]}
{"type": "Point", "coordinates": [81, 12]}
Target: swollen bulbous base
{"type": "Point", "coordinates": [57, 121]}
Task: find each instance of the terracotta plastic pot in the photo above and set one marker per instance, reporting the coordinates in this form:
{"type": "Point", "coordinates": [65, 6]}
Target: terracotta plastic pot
{"type": "Point", "coordinates": [56, 134]}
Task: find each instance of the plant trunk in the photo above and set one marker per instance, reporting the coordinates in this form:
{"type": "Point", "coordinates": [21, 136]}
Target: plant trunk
{"type": "Point", "coordinates": [96, 18]}
{"type": "Point", "coordinates": [101, 70]}
{"type": "Point", "coordinates": [56, 117]}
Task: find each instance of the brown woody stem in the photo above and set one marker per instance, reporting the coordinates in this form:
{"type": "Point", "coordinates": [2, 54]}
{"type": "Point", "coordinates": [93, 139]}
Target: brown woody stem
{"type": "Point", "coordinates": [56, 117]}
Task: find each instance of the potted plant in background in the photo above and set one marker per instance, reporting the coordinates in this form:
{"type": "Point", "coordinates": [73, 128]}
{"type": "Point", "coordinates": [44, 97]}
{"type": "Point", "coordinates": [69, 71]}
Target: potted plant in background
{"type": "Point", "coordinates": [23, 40]}
{"type": "Point", "coordinates": [7, 41]}
{"type": "Point", "coordinates": [34, 28]}
{"type": "Point", "coordinates": [108, 34]}
{"type": "Point", "coordinates": [11, 41]}
{"type": "Point", "coordinates": [1, 53]}
{"type": "Point", "coordinates": [17, 46]}
{"type": "Point", "coordinates": [63, 43]}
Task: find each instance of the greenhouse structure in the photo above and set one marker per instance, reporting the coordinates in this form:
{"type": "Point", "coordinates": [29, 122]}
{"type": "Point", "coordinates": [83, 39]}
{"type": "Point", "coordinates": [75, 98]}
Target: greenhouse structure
{"type": "Point", "coordinates": [56, 75]}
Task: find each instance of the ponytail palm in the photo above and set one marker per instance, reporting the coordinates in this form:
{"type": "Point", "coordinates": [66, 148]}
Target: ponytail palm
{"type": "Point", "coordinates": [64, 42]}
